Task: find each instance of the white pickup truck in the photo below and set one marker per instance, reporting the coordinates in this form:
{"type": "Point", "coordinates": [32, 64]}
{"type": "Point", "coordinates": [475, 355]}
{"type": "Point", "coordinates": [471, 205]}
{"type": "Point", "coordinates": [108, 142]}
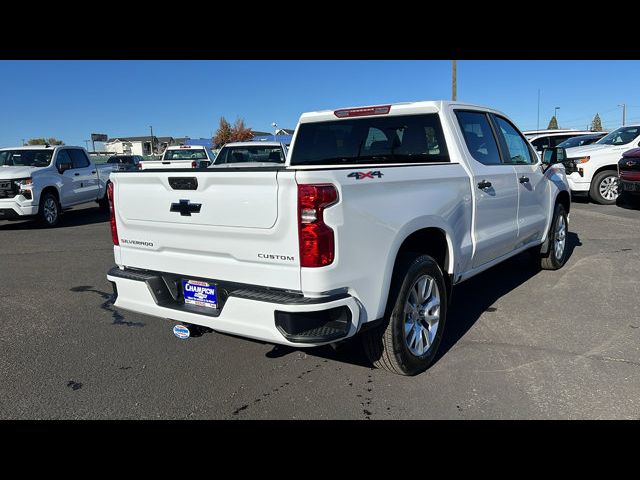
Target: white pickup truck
{"type": "Point", "coordinates": [375, 215]}
{"type": "Point", "coordinates": [596, 174]}
{"type": "Point", "coordinates": [43, 181]}
{"type": "Point", "coordinates": [180, 156]}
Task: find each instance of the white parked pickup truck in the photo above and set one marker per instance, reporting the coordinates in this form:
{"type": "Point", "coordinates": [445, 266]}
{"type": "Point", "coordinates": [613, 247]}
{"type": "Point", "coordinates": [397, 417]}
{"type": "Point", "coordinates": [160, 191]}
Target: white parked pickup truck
{"type": "Point", "coordinates": [375, 215]}
{"type": "Point", "coordinates": [596, 172]}
{"type": "Point", "coordinates": [180, 156]}
{"type": "Point", "coordinates": [43, 181]}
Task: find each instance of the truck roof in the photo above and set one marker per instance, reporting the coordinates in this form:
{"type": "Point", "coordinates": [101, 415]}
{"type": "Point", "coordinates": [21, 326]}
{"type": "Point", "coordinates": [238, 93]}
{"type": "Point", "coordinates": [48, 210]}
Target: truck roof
{"type": "Point", "coordinates": [402, 108]}
{"type": "Point", "coordinates": [38, 147]}
{"type": "Point", "coordinates": [253, 144]}
{"type": "Point", "coordinates": [186, 147]}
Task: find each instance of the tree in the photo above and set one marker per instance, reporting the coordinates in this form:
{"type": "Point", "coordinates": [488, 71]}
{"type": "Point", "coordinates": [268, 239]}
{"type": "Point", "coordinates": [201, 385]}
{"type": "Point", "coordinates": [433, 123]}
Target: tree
{"type": "Point", "coordinates": [240, 133]}
{"type": "Point", "coordinates": [45, 141]}
{"type": "Point", "coordinates": [553, 123]}
{"type": "Point", "coordinates": [224, 133]}
{"type": "Point", "coordinates": [596, 125]}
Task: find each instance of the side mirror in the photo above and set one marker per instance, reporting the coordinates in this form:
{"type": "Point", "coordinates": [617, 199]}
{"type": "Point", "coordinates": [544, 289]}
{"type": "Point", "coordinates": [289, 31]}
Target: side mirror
{"type": "Point", "coordinates": [63, 167]}
{"type": "Point", "coordinates": [553, 155]}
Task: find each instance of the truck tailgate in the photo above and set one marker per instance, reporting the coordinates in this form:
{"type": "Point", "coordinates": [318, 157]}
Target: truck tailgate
{"type": "Point", "coordinates": [220, 225]}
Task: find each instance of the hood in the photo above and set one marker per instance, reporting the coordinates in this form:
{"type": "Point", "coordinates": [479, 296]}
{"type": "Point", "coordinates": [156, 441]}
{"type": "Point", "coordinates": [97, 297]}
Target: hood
{"type": "Point", "coordinates": [587, 149]}
{"type": "Point", "coordinates": [10, 173]}
{"type": "Point", "coordinates": [634, 153]}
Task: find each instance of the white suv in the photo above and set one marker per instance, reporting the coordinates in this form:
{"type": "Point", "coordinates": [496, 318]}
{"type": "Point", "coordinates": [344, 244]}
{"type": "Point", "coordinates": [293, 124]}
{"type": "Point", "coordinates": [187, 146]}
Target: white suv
{"type": "Point", "coordinates": [597, 165]}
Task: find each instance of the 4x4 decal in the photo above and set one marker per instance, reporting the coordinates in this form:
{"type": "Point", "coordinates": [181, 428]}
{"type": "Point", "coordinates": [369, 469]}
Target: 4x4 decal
{"type": "Point", "coordinates": [361, 175]}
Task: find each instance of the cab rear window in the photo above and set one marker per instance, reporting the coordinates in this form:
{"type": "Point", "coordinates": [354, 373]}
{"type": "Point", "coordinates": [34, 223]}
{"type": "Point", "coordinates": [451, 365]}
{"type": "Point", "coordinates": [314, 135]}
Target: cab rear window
{"type": "Point", "coordinates": [392, 140]}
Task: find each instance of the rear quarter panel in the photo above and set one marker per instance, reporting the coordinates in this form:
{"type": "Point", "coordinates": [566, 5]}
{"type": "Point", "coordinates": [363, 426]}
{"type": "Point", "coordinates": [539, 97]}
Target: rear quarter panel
{"type": "Point", "coordinates": [374, 216]}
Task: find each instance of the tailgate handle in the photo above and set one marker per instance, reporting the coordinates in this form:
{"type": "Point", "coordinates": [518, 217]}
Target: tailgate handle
{"type": "Point", "coordinates": [183, 183]}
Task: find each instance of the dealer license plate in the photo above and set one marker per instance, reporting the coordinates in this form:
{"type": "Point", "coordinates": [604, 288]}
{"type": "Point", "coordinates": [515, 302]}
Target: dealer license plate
{"type": "Point", "coordinates": [198, 293]}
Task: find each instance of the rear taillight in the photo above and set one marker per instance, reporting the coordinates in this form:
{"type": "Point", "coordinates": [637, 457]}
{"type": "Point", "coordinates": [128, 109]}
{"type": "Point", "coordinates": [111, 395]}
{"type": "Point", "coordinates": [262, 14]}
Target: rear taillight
{"type": "Point", "coordinates": [317, 248]}
{"type": "Point", "coordinates": [112, 214]}
{"type": "Point", "coordinates": [194, 164]}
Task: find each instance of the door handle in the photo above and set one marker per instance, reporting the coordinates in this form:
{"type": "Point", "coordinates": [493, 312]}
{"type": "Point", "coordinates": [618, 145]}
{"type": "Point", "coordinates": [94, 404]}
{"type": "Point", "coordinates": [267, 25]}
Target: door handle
{"type": "Point", "coordinates": [524, 179]}
{"type": "Point", "coordinates": [77, 174]}
{"type": "Point", "coordinates": [484, 184]}
{"type": "Point", "coordinates": [93, 172]}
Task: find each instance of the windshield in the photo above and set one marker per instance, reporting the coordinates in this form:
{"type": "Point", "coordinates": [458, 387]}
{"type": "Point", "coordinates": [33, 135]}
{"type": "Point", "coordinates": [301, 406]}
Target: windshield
{"type": "Point", "coordinates": [396, 139]}
{"type": "Point", "coordinates": [578, 141]}
{"type": "Point", "coordinates": [621, 136]}
{"type": "Point", "coordinates": [25, 158]}
{"type": "Point", "coordinates": [186, 154]}
{"type": "Point", "coordinates": [258, 153]}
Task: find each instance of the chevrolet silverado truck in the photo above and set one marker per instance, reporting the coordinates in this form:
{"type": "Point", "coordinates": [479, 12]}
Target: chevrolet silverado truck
{"type": "Point", "coordinates": [596, 172]}
{"type": "Point", "coordinates": [42, 181]}
{"type": "Point", "coordinates": [180, 156]}
{"type": "Point", "coordinates": [377, 212]}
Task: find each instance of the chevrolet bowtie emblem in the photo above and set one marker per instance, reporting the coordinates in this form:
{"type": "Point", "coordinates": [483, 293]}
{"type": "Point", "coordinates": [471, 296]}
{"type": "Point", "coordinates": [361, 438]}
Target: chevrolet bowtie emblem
{"type": "Point", "coordinates": [186, 208]}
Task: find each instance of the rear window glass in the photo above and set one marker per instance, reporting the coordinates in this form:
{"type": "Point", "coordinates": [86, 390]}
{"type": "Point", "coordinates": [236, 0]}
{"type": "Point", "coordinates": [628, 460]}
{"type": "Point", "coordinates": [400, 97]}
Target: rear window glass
{"type": "Point", "coordinates": [396, 139]}
{"type": "Point", "coordinates": [250, 154]}
{"type": "Point", "coordinates": [186, 154]}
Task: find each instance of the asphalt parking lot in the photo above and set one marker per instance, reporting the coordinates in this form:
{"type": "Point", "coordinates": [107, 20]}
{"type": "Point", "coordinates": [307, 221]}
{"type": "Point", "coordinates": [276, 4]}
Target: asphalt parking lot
{"type": "Point", "coordinates": [519, 343]}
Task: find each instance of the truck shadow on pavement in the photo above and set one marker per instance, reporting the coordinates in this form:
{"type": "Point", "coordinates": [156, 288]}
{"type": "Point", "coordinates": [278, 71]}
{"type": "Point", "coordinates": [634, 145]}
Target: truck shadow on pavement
{"type": "Point", "coordinates": [70, 218]}
{"type": "Point", "coordinates": [107, 304]}
{"type": "Point", "coordinates": [470, 300]}
{"type": "Point", "coordinates": [628, 203]}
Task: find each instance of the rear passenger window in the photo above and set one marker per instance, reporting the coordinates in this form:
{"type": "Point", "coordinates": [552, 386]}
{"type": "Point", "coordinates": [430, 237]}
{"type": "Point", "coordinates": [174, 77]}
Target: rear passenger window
{"type": "Point", "coordinates": [78, 158]}
{"type": "Point", "coordinates": [479, 137]}
{"type": "Point", "coordinates": [380, 140]}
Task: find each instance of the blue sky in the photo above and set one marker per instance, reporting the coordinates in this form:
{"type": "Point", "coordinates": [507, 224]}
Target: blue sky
{"type": "Point", "coordinates": [72, 99]}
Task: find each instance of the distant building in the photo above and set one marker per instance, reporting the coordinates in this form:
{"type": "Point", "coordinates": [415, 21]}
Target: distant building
{"type": "Point", "coordinates": [204, 142]}
{"type": "Point", "coordinates": [282, 135]}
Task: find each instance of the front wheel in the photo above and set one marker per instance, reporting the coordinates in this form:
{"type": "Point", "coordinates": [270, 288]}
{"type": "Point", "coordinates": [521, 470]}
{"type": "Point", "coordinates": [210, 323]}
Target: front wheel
{"type": "Point", "coordinates": [604, 188]}
{"type": "Point", "coordinates": [556, 255]}
{"type": "Point", "coordinates": [408, 340]}
{"type": "Point", "coordinates": [49, 210]}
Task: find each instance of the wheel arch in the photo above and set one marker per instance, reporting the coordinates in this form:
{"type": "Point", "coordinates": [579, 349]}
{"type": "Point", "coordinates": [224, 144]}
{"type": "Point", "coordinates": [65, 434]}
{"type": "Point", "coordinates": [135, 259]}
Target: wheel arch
{"type": "Point", "coordinates": [434, 241]}
{"type": "Point", "coordinates": [50, 189]}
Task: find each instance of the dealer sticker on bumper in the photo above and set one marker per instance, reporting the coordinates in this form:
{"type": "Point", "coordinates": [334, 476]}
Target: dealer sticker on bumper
{"type": "Point", "coordinates": [199, 293]}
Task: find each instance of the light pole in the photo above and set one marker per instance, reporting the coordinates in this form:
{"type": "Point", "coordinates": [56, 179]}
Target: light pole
{"type": "Point", "coordinates": [275, 130]}
{"type": "Point", "coordinates": [538, 124]}
{"type": "Point", "coordinates": [454, 80]}
{"type": "Point", "coordinates": [624, 113]}
{"type": "Point", "coordinates": [151, 143]}
{"type": "Point", "coordinates": [555, 114]}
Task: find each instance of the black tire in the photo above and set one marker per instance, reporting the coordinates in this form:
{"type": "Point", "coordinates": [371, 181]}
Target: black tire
{"type": "Point", "coordinates": [386, 345]}
{"type": "Point", "coordinates": [104, 202]}
{"type": "Point", "coordinates": [550, 260]}
{"type": "Point", "coordinates": [49, 210]}
{"type": "Point", "coordinates": [598, 179]}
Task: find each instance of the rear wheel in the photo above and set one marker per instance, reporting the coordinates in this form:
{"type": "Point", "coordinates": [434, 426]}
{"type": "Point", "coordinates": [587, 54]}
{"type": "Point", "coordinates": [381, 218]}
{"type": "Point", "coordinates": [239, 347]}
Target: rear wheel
{"type": "Point", "coordinates": [604, 187]}
{"type": "Point", "coordinates": [408, 340]}
{"type": "Point", "coordinates": [49, 210]}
